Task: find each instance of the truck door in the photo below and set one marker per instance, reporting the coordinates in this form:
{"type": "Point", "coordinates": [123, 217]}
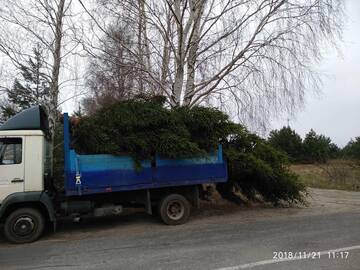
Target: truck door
{"type": "Point", "coordinates": [11, 166]}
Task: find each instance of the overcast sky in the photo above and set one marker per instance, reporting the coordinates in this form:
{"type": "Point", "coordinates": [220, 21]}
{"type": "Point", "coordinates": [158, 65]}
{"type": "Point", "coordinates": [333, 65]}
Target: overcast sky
{"type": "Point", "coordinates": [336, 111]}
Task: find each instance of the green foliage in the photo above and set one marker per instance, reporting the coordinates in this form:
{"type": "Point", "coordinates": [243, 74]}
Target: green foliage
{"type": "Point", "coordinates": [352, 149]}
{"type": "Point", "coordinates": [207, 126]}
{"type": "Point", "coordinates": [144, 127]}
{"type": "Point", "coordinates": [334, 151]}
{"type": "Point", "coordinates": [317, 148]}
{"type": "Point", "coordinates": [255, 167]}
{"type": "Point", "coordinates": [313, 149]}
{"type": "Point", "coordinates": [288, 141]}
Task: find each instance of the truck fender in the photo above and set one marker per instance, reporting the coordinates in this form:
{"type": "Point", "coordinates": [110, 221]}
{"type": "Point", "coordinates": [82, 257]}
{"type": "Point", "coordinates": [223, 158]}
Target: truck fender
{"type": "Point", "coordinates": [28, 197]}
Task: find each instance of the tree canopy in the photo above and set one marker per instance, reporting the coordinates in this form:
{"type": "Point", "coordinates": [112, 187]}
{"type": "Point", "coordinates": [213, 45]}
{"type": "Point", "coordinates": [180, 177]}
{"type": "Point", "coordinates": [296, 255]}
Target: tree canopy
{"type": "Point", "coordinates": [352, 149]}
{"type": "Point", "coordinates": [317, 148]}
{"type": "Point", "coordinates": [288, 141]}
{"type": "Point", "coordinates": [254, 56]}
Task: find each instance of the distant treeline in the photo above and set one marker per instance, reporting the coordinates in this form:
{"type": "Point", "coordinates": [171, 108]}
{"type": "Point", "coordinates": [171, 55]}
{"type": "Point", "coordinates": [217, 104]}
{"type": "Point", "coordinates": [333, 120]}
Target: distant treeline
{"type": "Point", "coordinates": [314, 148]}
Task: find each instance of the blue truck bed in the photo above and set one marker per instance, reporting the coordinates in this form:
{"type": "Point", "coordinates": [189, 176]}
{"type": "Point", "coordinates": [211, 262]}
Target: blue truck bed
{"type": "Point", "coordinates": [91, 174]}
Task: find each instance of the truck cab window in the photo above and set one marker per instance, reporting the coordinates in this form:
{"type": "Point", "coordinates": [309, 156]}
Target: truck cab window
{"type": "Point", "coordinates": [10, 151]}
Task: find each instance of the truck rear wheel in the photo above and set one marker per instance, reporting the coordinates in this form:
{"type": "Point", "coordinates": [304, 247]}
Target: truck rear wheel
{"type": "Point", "coordinates": [174, 209]}
{"type": "Point", "coordinates": [24, 225]}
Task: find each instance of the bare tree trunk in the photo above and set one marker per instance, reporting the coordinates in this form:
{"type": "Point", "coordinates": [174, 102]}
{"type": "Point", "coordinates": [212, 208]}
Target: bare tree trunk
{"type": "Point", "coordinates": [143, 48]}
{"type": "Point", "coordinates": [196, 11]}
{"type": "Point", "coordinates": [166, 54]}
{"type": "Point", "coordinates": [145, 41]}
{"type": "Point", "coordinates": [56, 54]}
{"type": "Point", "coordinates": [54, 85]}
{"type": "Point", "coordinates": [179, 57]}
{"type": "Point", "coordinates": [139, 42]}
{"type": "Point", "coordinates": [178, 84]}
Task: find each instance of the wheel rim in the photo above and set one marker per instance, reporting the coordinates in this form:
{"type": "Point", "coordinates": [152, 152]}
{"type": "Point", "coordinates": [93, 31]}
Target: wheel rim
{"type": "Point", "coordinates": [175, 210]}
{"type": "Point", "coordinates": [24, 226]}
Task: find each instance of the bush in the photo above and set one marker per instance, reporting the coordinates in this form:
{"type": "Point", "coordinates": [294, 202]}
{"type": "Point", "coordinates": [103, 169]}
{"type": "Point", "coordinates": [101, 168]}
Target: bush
{"type": "Point", "coordinates": [144, 128]}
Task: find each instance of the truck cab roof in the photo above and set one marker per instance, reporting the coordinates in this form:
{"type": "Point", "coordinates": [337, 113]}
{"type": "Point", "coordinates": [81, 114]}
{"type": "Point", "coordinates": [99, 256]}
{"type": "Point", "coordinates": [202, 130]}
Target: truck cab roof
{"type": "Point", "coordinates": [5, 133]}
{"type": "Point", "coordinates": [33, 119]}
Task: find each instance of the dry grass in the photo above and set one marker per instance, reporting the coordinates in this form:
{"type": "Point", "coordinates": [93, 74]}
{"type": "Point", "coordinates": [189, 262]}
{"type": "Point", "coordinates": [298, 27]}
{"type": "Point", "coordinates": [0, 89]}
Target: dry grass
{"type": "Point", "coordinates": [336, 174]}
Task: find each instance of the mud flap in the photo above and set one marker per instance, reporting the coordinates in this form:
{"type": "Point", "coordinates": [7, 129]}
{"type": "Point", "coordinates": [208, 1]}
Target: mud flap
{"type": "Point", "coordinates": [148, 207]}
{"type": "Point", "coordinates": [196, 197]}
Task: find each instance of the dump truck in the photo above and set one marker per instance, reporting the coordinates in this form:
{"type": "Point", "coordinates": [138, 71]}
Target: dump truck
{"type": "Point", "coordinates": [94, 185]}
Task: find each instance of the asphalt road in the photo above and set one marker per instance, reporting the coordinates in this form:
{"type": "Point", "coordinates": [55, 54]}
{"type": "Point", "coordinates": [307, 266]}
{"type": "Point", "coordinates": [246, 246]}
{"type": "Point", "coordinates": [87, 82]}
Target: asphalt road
{"type": "Point", "coordinates": [213, 239]}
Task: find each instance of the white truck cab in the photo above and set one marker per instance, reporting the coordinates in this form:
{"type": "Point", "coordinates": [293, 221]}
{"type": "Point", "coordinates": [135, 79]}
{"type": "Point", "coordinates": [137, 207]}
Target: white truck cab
{"type": "Point", "coordinates": [24, 163]}
{"type": "Point", "coordinates": [21, 161]}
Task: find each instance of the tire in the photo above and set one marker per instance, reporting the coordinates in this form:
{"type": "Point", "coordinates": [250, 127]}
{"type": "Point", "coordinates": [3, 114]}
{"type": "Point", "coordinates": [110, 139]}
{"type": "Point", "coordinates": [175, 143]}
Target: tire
{"type": "Point", "coordinates": [24, 225]}
{"type": "Point", "coordinates": [174, 209]}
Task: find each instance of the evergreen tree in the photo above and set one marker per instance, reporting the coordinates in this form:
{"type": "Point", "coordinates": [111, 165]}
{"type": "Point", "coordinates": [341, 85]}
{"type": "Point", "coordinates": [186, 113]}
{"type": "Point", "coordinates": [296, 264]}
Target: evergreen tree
{"type": "Point", "coordinates": [352, 149]}
{"type": "Point", "coordinates": [317, 148]}
{"type": "Point", "coordinates": [334, 150]}
{"type": "Point", "coordinates": [78, 112]}
{"type": "Point", "coordinates": [6, 110]}
{"type": "Point", "coordinates": [32, 88]}
{"type": "Point", "coordinates": [288, 141]}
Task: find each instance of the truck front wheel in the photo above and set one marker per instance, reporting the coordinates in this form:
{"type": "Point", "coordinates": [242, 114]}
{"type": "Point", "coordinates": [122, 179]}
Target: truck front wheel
{"type": "Point", "coordinates": [24, 225]}
{"type": "Point", "coordinates": [174, 209]}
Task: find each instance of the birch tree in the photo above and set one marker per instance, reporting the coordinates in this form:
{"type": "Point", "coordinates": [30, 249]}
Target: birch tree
{"type": "Point", "coordinates": [252, 57]}
{"type": "Point", "coordinates": [111, 75]}
{"type": "Point", "coordinates": [24, 24]}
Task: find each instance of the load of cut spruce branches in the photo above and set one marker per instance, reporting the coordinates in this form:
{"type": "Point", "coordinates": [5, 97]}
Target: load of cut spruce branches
{"type": "Point", "coordinates": [143, 128]}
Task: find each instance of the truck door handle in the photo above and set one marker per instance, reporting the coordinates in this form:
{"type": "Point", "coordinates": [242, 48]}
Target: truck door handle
{"type": "Point", "coordinates": [17, 180]}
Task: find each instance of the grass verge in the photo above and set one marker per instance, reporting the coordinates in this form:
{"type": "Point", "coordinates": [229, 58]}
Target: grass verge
{"type": "Point", "coordinates": [335, 174]}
